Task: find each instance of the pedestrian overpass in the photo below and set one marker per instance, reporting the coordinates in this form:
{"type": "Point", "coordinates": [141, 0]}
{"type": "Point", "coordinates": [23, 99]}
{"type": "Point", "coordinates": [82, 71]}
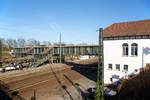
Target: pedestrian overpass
{"type": "Point", "coordinates": [53, 52]}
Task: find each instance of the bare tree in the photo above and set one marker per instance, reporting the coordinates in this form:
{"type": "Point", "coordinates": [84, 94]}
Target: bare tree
{"type": "Point", "coordinates": [33, 42]}
{"type": "Point", "coordinates": [9, 43]}
{"type": "Point", "coordinates": [21, 42]}
{"type": "Point", "coordinates": [37, 43]}
{"type": "Point", "coordinates": [15, 43]}
{"type": "Point", "coordinates": [3, 41]}
{"type": "Point", "coordinates": [46, 43]}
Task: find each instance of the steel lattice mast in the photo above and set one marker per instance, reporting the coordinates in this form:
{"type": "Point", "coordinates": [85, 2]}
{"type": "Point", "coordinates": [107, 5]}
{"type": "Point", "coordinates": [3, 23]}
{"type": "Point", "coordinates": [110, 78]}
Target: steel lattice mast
{"type": "Point", "coordinates": [100, 74]}
{"type": "Point", "coordinates": [60, 51]}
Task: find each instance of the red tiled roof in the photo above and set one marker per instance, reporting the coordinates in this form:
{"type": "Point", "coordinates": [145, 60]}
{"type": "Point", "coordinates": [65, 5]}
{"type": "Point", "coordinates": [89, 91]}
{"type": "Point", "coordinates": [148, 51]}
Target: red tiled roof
{"type": "Point", "coordinates": [132, 28]}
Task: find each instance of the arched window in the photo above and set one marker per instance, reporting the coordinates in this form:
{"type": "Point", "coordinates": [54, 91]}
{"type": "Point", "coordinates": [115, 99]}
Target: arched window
{"type": "Point", "coordinates": [125, 49]}
{"type": "Point", "coordinates": [134, 48]}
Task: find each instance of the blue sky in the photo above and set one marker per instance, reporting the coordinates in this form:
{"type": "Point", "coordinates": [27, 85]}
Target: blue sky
{"type": "Point", "coordinates": [78, 20]}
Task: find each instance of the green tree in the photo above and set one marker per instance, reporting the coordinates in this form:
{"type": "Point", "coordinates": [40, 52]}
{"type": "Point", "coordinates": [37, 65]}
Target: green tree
{"type": "Point", "coordinates": [98, 95]}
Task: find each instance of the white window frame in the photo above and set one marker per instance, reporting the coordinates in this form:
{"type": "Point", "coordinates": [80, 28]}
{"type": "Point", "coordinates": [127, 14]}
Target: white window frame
{"type": "Point", "coordinates": [134, 49]}
{"type": "Point", "coordinates": [117, 66]}
{"type": "Point", "coordinates": [109, 66]}
{"type": "Point", "coordinates": [125, 48]}
{"type": "Point", "coordinates": [124, 67]}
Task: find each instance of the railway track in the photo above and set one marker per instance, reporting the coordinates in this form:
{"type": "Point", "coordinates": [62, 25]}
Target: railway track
{"type": "Point", "coordinates": [49, 82]}
{"type": "Point", "coordinates": [30, 82]}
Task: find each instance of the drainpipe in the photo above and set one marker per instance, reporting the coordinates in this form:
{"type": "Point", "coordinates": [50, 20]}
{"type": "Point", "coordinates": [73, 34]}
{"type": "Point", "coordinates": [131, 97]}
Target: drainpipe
{"type": "Point", "coordinates": [142, 57]}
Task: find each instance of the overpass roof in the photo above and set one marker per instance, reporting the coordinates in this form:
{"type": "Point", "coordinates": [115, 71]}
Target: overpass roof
{"type": "Point", "coordinates": [58, 46]}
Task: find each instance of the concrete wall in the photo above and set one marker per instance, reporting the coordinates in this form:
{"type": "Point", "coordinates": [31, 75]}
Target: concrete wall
{"type": "Point", "coordinates": [113, 54]}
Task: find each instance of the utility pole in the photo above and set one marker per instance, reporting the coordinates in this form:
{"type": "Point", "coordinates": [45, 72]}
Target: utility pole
{"type": "Point", "coordinates": [100, 73]}
{"type": "Point", "coordinates": [60, 51]}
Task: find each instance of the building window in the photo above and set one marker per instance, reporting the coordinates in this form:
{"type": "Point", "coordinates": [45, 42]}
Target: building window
{"type": "Point", "coordinates": [118, 67]}
{"type": "Point", "coordinates": [134, 50]}
{"type": "Point", "coordinates": [126, 67]}
{"type": "Point", "coordinates": [110, 66]}
{"type": "Point", "coordinates": [111, 79]}
{"type": "Point", "coordinates": [125, 49]}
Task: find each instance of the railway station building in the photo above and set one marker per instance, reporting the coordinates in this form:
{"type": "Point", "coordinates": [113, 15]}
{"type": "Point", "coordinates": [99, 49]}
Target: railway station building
{"type": "Point", "coordinates": [126, 48]}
